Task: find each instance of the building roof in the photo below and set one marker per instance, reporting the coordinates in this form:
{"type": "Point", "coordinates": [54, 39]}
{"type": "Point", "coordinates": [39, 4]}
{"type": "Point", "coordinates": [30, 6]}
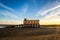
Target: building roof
{"type": "Point", "coordinates": [30, 20]}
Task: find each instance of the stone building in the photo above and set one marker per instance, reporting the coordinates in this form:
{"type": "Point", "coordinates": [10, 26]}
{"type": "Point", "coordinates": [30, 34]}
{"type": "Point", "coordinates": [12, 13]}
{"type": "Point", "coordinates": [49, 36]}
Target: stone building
{"type": "Point", "coordinates": [30, 23]}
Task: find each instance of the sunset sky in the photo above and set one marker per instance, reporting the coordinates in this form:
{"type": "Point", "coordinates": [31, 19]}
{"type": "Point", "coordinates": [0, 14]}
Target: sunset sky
{"type": "Point", "coordinates": [14, 11]}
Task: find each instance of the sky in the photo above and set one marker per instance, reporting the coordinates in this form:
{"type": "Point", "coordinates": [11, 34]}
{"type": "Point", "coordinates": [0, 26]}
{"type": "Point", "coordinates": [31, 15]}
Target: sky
{"type": "Point", "coordinates": [14, 11]}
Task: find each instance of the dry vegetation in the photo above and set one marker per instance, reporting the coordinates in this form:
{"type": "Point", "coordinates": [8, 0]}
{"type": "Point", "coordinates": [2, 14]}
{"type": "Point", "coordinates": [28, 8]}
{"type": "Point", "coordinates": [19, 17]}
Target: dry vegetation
{"type": "Point", "coordinates": [40, 37]}
{"type": "Point", "coordinates": [29, 34]}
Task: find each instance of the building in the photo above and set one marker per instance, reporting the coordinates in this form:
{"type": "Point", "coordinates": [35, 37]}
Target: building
{"type": "Point", "coordinates": [30, 23]}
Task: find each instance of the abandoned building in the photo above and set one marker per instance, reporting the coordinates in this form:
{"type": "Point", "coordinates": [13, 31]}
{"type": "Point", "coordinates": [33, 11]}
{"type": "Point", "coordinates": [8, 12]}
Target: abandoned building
{"type": "Point", "coordinates": [30, 23]}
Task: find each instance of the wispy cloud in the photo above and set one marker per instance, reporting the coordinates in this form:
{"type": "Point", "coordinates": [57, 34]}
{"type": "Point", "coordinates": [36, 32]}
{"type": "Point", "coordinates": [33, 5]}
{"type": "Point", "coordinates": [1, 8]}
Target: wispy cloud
{"type": "Point", "coordinates": [53, 15]}
{"type": "Point", "coordinates": [50, 13]}
{"type": "Point", "coordinates": [25, 8]}
{"type": "Point", "coordinates": [48, 7]}
{"type": "Point", "coordinates": [6, 7]}
{"type": "Point", "coordinates": [45, 12]}
{"type": "Point", "coordinates": [9, 12]}
{"type": "Point", "coordinates": [54, 12]}
{"type": "Point", "coordinates": [10, 18]}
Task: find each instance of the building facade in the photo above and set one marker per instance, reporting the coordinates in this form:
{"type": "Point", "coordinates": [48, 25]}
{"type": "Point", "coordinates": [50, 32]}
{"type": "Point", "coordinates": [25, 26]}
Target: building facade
{"type": "Point", "coordinates": [30, 23]}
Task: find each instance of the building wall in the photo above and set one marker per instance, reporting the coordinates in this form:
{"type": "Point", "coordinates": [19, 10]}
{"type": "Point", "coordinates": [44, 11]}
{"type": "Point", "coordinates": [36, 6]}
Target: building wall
{"type": "Point", "coordinates": [31, 23]}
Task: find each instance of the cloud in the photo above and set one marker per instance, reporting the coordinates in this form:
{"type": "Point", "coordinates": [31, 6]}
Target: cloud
{"type": "Point", "coordinates": [25, 8]}
{"type": "Point", "coordinates": [45, 12]}
{"type": "Point", "coordinates": [6, 7]}
{"type": "Point", "coordinates": [50, 6]}
{"type": "Point", "coordinates": [9, 18]}
{"type": "Point", "coordinates": [54, 12]}
{"type": "Point", "coordinates": [9, 14]}
{"type": "Point", "coordinates": [50, 13]}
{"type": "Point", "coordinates": [52, 18]}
